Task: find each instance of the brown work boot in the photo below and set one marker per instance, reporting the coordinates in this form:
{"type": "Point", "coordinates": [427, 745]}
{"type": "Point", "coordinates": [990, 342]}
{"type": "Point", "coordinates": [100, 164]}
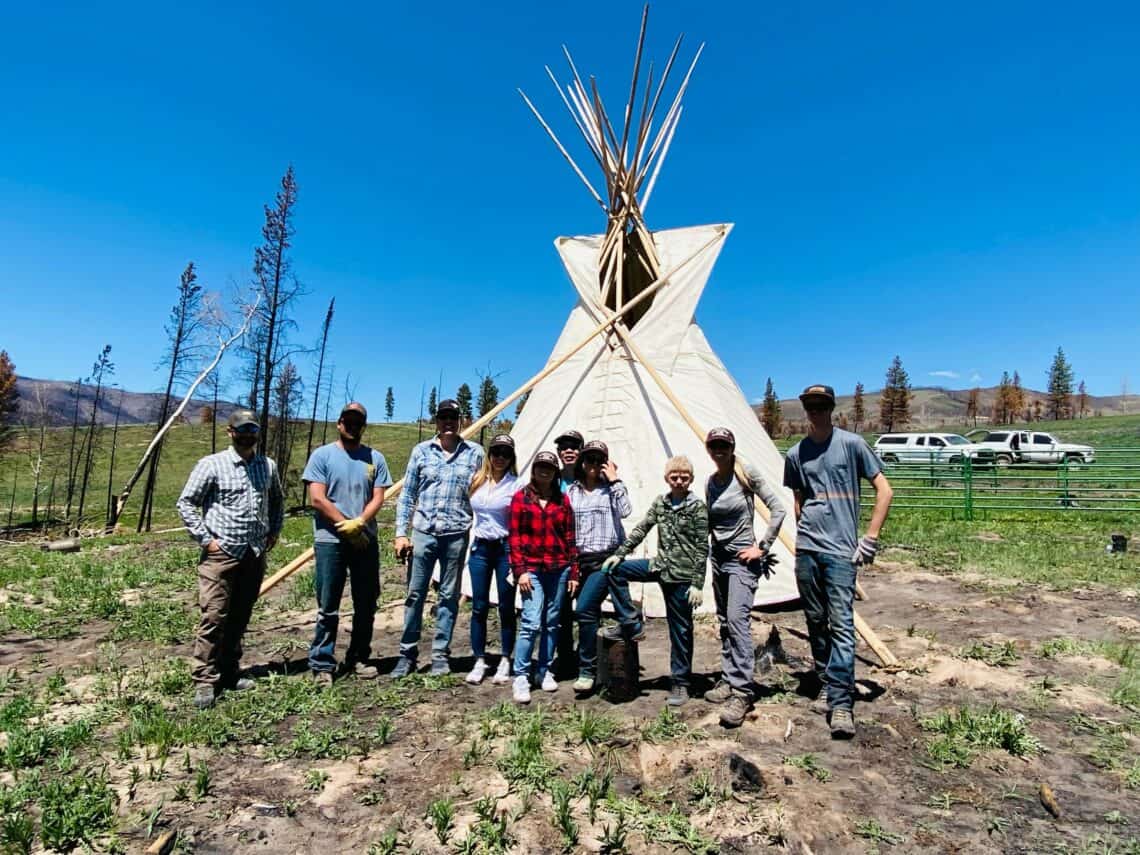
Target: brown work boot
{"type": "Point", "coordinates": [842, 724]}
{"type": "Point", "coordinates": [819, 702]}
{"type": "Point", "coordinates": [204, 696]}
{"type": "Point", "coordinates": [719, 693]}
{"type": "Point", "coordinates": [734, 710]}
{"type": "Point", "coordinates": [364, 671]}
{"type": "Point", "coordinates": [323, 679]}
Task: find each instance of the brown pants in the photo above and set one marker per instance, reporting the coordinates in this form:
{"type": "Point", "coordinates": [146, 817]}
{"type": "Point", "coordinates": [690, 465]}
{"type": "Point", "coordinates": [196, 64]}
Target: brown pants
{"type": "Point", "coordinates": [227, 589]}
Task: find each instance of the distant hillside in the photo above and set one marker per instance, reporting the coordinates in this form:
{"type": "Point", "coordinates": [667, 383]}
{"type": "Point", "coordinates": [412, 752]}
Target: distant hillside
{"type": "Point", "coordinates": [934, 406]}
{"type": "Point", "coordinates": [137, 407]}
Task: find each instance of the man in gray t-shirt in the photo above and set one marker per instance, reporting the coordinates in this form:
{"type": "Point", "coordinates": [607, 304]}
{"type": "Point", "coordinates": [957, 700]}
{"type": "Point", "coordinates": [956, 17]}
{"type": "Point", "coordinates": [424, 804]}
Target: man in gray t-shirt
{"type": "Point", "coordinates": [347, 481]}
{"type": "Point", "coordinates": [823, 471]}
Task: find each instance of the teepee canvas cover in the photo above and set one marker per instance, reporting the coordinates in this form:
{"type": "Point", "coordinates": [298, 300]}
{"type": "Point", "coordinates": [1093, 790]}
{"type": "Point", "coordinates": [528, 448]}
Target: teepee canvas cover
{"type": "Point", "coordinates": [604, 392]}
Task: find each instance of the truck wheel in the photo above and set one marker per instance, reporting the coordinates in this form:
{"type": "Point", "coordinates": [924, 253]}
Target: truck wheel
{"type": "Point", "coordinates": [1074, 458]}
{"type": "Point", "coordinates": [1004, 460]}
{"type": "Point", "coordinates": [890, 458]}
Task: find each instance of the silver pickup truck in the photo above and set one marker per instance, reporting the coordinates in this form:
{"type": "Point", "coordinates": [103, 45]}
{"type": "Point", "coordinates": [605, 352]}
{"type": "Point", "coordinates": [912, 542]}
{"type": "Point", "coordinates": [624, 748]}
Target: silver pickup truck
{"type": "Point", "coordinates": [1030, 446]}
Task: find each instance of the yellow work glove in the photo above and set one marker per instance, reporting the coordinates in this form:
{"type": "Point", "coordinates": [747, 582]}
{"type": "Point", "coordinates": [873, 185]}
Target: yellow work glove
{"type": "Point", "coordinates": [348, 528]}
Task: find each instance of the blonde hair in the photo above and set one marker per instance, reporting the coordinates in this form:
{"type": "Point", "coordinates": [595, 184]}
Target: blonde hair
{"type": "Point", "coordinates": [679, 463]}
{"type": "Point", "coordinates": [484, 474]}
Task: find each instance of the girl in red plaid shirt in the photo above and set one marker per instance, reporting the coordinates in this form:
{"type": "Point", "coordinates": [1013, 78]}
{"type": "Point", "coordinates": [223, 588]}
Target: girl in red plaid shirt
{"type": "Point", "coordinates": [544, 560]}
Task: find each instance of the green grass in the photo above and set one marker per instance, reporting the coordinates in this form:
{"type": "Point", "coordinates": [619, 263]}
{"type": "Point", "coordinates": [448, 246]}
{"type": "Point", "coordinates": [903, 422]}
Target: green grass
{"type": "Point", "coordinates": [1001, 654]}
{"type": "Point", "coordinates": [961, 734]}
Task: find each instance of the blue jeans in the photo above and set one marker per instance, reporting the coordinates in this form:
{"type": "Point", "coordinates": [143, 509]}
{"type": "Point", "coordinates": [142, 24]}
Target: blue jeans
{"type": "Point", "coordinates": [540, 613]}
{"type": "Point", "coordinates": [734, 588]}
{"type": "Point", "coordinates": [336, 563]}
{"type": "Point", "coordinates": [427, 549]}
{"type": "Point", "coordinates": [827, 590]}
{"type": "Point", "coordinates": [595, 587]}
{"type": "Point", "coordinates": [490, 558]}
{"type": "Point", "coordinates": [678, 613]}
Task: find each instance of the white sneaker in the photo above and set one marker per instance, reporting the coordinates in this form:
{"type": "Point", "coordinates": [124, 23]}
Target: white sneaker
{"type": "Point", "coordinates": [522, 689]}
{"type": "Point", "coordinates": [503, 674]}
{"type": "Point", "coordinates": [477, 673]}
{"type": "Point", "coordinates": [549, 684]}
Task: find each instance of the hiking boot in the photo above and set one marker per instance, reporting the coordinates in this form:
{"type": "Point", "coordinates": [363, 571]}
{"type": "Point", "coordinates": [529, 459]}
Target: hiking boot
{"type": "Point", "coordinates": [404, 667]}
{"type": "Point", "coordinates": [619, 632]}
{"type": "Point", "coordinates": [503, 673]}
{"type": "Point", "coordinates": [241, 684]}
{"type": "Point", "coordinates": [476, 675]}
{"type": "Point", "coordinates": [440, 668]}
{"type": "Point", "coordinates": [719, 693]}
{"type": "Point", "coordinates": [584, 685]}
{"type": "Point", "coordinates": [204, 696]}
{"type": "Point", "coordinates": [323, 679]}
{"type": "Point", "coordinates": [842, 724]}
{"type": "Point", "coordinates": [363, 671]}
{"type": "Point", "coordinates": [522, 689]}
{"type": "Point", "coordinates": [819, 702]}
{"type": "Point", "coordinates": [549, 684]}
{"type": "Point", "coordinates": [678, 696]}
{"type": "Point", "coordinates": [734, 710]}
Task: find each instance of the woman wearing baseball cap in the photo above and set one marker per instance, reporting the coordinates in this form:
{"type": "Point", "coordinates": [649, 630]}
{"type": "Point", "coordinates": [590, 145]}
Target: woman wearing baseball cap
{"type": "Point", "coordinates": [544, 560]}
{"type": "Point", "coordinates": [739, 559]}
{"type": "Point", "coordinates": [492, 489]}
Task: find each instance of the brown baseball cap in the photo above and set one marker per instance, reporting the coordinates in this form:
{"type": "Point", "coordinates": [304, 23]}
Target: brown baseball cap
{"type": "Point", "coordinates": [503, 440]}
{"type": "Point", "coordinates": [720, 434]}
{"type": "Point", "coordinates": [447, 405]}
{"type": "Point", "coordinates": [569, 436]}
{"type": "Point", "coordinates": [354, 407]}
{"type": "Point", "coordinates": [243, 417]}
{"type": "Point", "coordinates": [596, 446]}
{"type": "Point", "coordinates": [546, 458]}
{"type": "Point", "coordinates": [818, 391]}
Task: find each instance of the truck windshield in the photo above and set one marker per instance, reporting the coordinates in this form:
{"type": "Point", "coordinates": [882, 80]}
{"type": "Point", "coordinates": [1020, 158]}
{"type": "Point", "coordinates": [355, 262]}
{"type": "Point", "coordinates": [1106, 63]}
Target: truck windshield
{"type": "Point", "coordinates": [996, 437]}
{"type": "Point", "coordinates": [954, 439]}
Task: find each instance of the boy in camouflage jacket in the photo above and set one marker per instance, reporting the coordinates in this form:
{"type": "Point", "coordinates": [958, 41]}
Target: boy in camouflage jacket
{"type": "Point", "coordinates": [679, 568]}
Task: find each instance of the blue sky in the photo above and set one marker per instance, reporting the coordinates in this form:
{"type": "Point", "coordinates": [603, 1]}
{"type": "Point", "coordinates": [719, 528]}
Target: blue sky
{"type": "Point", "coordinates": [958, 184]}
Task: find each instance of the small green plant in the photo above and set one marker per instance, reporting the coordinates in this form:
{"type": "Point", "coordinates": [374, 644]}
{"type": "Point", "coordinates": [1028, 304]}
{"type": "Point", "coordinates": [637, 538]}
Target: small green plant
{"type": "Point", "coordinates": [996, 825]}
{"type": "Point", "coordinates": [383, 730]}
{"type": "Point", "coordinates": [669, 726]}
{"type": "Point", "coordinates": [1001, 654]}
{"type": "Point", "coordinates": [17, 833]}
{"type": "Point", "coordinates": [594, 787]}
{"type": "Point", "coordinates": [1115, 817]}
{"type": "Point", "coordinates": [704, 792]}
{"type": "Point", "coordinates": [315, 779]}
{"type": "Point", "coordinates": [591, 728]}
{"type": "Point", "coordinates": [561, 795]}
{"type": "Point", "coordinates": [810, 764]}
{"type": "Point", "coordinates": [202, 783]}
{"type": "Point", "coordinates": [524, 760]}
{"type": "Point", "coordinates": [613, 839]}
{"type": "Point", "coordinates": [76, 809]}
{"type": "Point", "coordinates": [872, 830]}
{"type": "Point", "coordinates": [388, 844]}
{"type": "Point", "coordinates": [1056, 647]}
{"type": "Point", "coordinates": [1127, 691]}
{"type": "Point", "coordinates": [476, 753]}
{"type": "Point", "coordinates": [962, 733]}
{"type": "Point", "coordinates": [153, 817]}
{"type": "Point", "coordinates": [441, 815]}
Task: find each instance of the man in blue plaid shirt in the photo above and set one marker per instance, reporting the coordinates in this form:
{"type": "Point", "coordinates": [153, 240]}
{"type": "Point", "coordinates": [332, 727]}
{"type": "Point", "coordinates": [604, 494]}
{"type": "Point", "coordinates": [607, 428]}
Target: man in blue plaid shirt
{"type": "Point", "coordinates": [436, 486]}
{"type": "Point", "coordinates": [234, 508]}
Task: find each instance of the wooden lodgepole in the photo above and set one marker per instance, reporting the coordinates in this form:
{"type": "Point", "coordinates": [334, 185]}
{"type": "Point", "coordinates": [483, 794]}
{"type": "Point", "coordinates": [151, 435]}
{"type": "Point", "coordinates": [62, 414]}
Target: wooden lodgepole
{"type": "Point", "coordinates": [611, 319]}
{"type": "Point", "coordinates": [861, 626]}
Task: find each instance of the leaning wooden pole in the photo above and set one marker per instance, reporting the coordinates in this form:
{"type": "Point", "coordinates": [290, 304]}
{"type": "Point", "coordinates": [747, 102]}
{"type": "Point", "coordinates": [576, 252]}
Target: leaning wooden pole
{"type": "Point", "coordinates": [861, 626]}
{"type": "Point", "coordinates": [611, 320]}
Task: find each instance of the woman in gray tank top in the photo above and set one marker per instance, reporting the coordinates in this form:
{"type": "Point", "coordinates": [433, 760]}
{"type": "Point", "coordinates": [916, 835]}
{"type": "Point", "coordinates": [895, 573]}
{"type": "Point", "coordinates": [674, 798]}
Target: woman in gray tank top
{"type": "Point", "coordinates": [739, 560]}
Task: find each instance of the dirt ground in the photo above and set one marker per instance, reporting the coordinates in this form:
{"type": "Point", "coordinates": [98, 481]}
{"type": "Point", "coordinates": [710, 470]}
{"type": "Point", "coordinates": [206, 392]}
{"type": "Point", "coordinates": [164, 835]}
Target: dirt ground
{"type": "Point", "coordinates": [882, 791]}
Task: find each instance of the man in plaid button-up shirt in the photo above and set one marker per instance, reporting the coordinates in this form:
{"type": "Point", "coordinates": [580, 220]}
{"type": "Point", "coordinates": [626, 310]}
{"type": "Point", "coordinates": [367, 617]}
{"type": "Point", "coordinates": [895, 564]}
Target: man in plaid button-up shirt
{"type": "Point", "coordinates": [234, 508]}
{"type": "Point", "coordinates": [436, 484]}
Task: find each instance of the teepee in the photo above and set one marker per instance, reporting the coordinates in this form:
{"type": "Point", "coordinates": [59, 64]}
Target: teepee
{"type": "Point", "coordinates": [651, 386]}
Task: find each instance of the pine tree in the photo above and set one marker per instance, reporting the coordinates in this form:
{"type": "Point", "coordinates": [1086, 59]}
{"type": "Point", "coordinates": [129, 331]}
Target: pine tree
{"type": "Point", "coordinates": [389, 404]}
{"type": "Point", "coordinates": [9, 400]}
{"type": "Point", "coordinates": [102, 370]}
{"type": "Point", "coordinates": [894, 403]}
{"type": "Point", "coordinates": [972, 404]}
{"type": "Point", "coordinates": [1082, 399]}
{"type": "Point", "coordinates": [1060, 387]}
{"type": "Point", "coordinates": [1037, 410]}
{"type": "Point", "coordinates": [770, 415]}
{"type": "Point", "coordinates": [488, 395]}
{"type": "Point", "coordinates": [432, 403]}
{"type": "Point", "coordinates": [1016, 396]}
{"type": "Point", "coordinates": [1001, 409]}
{"type": "Point", "coordinates": [463, 398]}
{"type": "Point", "coordinates": [522, 403]}
{"type": "Point", "coordinates": [859, 413]}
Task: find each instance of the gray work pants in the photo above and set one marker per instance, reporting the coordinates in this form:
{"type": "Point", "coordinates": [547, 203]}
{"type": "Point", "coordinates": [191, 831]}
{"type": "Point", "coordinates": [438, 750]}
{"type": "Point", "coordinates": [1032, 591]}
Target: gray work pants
{"type": "Point", "coordinates": [734, 586]}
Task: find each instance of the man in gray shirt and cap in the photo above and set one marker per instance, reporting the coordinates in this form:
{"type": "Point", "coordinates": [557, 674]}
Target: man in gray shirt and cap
{"type": "Point", "coordinates": [823, 471]}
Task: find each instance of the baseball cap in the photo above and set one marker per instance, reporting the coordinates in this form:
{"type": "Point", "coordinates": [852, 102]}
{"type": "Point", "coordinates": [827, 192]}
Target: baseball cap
{"type": "Point", "coordinates": [720, 434]}
{"type": "Point", "coordinates": [817, 391]}
{"type": "Point", "coordinates": [243, 417]}
{"type": "Point", "coordinates": [447, 405]}
{"type": "Point", "coordinates": [546, 458]}
{"type": "Point", "coordinates": [354, 407]}
{"type": "Point", "coordinates": [598, 447]}
{"type": "Point", "coordinates": [569, 436]}
{"type": "Point", "coordinates": [503, 440]}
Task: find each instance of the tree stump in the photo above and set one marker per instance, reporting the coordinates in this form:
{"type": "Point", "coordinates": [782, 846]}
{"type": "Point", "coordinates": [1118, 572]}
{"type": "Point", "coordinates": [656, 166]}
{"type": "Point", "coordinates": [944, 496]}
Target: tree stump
{"type": "Point", "coordinates": [619, 669]}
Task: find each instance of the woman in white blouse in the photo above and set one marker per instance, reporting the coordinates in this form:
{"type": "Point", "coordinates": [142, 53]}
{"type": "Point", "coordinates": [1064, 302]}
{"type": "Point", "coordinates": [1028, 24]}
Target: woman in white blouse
{"type": "Point", "coordinates": [491, 490]}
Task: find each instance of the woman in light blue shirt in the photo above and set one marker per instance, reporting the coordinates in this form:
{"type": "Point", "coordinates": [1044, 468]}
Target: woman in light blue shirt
{"type": "Point", "coordinates": [491, 490]}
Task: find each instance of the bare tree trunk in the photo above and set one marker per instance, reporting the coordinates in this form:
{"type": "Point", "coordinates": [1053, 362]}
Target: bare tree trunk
{"type": "Point", "coordinates": [111, 467]}
{"type": "Point", "coordinates": [320, 371]}
{"type": "Point", "coordinates": [103, 365]}
{"type": "Point", "coordinates": [51, 500]}
{"type": "Point", "coordinates": [12, 504]}
{"type": "Point", "coordinates": [71, 451]}
{"type": "Point", "coordinates": [328, 402]}
{"type": "Point", "coordinates": [214, 420]}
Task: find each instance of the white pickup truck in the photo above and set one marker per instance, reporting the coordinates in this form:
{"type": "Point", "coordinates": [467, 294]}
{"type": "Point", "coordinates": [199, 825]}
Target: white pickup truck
{"type": "Point", "coordinates": [1030, 446]}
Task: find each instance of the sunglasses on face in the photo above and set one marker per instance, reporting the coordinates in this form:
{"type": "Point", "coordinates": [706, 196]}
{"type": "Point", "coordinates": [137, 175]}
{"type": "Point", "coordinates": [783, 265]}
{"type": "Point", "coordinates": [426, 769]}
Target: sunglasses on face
{"type": "Point", "coordinates": [719, 446]}
{"type": "Point", "coordinates": [247, 429]}
{"type": "Point", "coordinates": [568, 446]}
{"type": "Point", "coordinates": [814, 408]}
{"type": "Point", "coordinates": [502, 452]}
{"type": "Point", "coordinates": [593, 460]}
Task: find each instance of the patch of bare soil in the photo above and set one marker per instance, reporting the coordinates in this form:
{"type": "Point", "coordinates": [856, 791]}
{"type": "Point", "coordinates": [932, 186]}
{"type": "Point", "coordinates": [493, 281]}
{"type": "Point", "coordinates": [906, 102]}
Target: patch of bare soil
{"type": "Point", "coordinates": [804, 793]}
